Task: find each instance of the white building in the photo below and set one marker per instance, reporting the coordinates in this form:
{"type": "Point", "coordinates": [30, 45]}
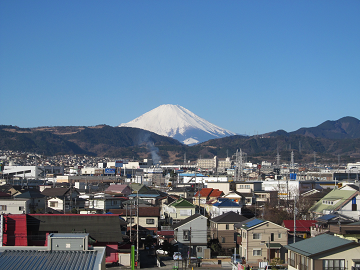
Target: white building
{"type": "Point", "coordinates": [15, 206]}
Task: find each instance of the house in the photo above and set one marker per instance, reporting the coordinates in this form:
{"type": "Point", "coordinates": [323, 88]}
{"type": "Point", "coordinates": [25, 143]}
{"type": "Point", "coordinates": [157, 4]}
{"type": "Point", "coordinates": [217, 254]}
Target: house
{"type": "Point", "coordinates": [63, 251]}
{"type": "Point", "coordinates": [222, 228]}
{"type": "Point", "coordinates": [100, 203]}
{"type": "Point", "coordinates": [182, 192]}
{"type": "Point", "coordinates": [347, 202]}
{"type": "Point", "coordinates": [261, 240]}
{"type": "Point", "coordinates": [302, 227]}
{"type": "Point", "coordinates": [222, 206]}
{"type": "Point", "coordinates": [191, 235]}
{"type": "Point", "coordinates": [15, 206]}
{"type": "Point", "coordinates": [119, 190]}
{"type": "Point", "coordinates": [60, 199]}
{"type": "Point", "coordinates": [147, 194]}
{"type": "Point", "coordinates": [178, 210]}
{"type": "Point", "coordinates": [37, 200]}
{"type": "Point", "coordinates": [247, 190]}
{"type": "Point", "coordinates": [263, 197]}
{"type": "Point", "coordinates": [206, 194]}
{"type": "Point", "coordinates": [148, 218]}
{"type": "Point", "coordinates": [324, 223]}
{"type": "Point", "coordinates": [324, 252]}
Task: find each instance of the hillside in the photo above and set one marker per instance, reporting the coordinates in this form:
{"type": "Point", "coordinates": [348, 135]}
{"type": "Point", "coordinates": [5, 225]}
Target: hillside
{"type": "Point", "coordinates": [127, 142]}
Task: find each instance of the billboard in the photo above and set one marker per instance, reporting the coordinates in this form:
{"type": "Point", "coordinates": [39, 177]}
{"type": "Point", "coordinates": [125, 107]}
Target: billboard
{"type": "Point", "coordinates": [118, 163]}
{"type": "Point", "coordinates": [109, 171]}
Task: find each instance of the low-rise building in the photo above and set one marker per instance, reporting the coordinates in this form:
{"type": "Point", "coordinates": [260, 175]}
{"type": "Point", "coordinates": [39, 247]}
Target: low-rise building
{"type": "Point", "coordinates": [324, 252]}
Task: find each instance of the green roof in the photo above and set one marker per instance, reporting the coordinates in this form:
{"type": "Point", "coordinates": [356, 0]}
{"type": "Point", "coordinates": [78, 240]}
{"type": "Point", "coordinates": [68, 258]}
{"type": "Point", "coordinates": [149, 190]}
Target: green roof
{"type": "Point", "coordinates": [319, 244]}
{"type": "Point", "coordinates": [337, 196]}
{"type": "Point", "coordinates": [182, 203]}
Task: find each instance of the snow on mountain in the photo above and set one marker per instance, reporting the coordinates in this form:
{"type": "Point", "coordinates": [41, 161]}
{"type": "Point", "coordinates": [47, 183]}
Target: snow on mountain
{"type": "Point", "coordinates": [179, 123]}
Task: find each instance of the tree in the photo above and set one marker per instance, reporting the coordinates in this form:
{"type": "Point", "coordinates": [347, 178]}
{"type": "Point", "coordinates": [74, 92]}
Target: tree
{"type": "Point", "coordinates": [274, 262]}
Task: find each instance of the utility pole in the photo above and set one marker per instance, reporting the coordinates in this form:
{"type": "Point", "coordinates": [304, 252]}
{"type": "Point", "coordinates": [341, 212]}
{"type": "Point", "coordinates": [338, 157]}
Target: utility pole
{"type": "Point", "coordinates": [294, 219]}
{"type": "Point", "coordinates": [137, 229]}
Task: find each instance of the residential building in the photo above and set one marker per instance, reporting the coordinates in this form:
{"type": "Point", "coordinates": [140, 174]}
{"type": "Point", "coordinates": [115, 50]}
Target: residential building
{"type": "Point", "coordinates": [119, 190]}
{"type": "Point", "coordinates": [15, 206]}
{"type": "Point", "coordinates": [191, 234]}
{"type": "Point", "coordinates": [178, 210]}
{"type": "Point", "coordinates": [324, 252]}
{"type": "Point", "coordinates": [262, 240]}
{"type": "Point", "coordinates": [222, 228]}
{"type": "Point", "coordinates": [222, 206]}
{"type": "Point", "coordinates": [346, 202]}
{"type": "Point", "coordinates": [37, 200]}
{"type": "Point", "coordinates": [60, 199]}
{"type": "Point", "coordinates": [100, 203]}
{"type": "Point", "coordinates": [148, 218]}
{"type": "Point", "coordinates": [205, 194]}
{"type": "Point", "coordinates": [302, 228]}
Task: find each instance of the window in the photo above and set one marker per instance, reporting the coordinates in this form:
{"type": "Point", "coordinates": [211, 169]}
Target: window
{"type": "Point", "coordinates": [199, 249]}
{"type": "Point", "coordinates": [186, 235]}
{"type": "Point", "coordinates": [2, 207]}
{"type": "Point", "coordinates": [227, 226]}
{"type": "Point", "coordinates": [222, 239]}
{"type": "Point", "coordinates": [256, 252]}
{"type": "Point", "coordinates": [53, 204]}
{"type": "Point", "coordinates": [292, 259]}
{"type": "Point", "coordinates": [150, 221]}
{"type": "Point", "coordinates": [334, 264]}
{"type": "Point", "coordinates": [257, 236]}
{"type": "Point", "coordinates": [353, 205]}
{"type": "Point", "coordinates": [272, 236]}
{"type": "Point", "coordinates": [21, 208]}
{"type": "Point", "coordinates": [279, 235]}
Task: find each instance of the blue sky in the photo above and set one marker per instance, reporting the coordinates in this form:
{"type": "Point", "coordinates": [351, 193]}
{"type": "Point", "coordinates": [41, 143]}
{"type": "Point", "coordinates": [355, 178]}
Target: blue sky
{"type": "Point", "coordinates": [248, 66]}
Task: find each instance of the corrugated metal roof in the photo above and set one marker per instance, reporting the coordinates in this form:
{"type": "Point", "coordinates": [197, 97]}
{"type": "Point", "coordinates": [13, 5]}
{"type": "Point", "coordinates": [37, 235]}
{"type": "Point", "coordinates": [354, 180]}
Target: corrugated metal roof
{"type": "Point", "coordinates": [54, 260]}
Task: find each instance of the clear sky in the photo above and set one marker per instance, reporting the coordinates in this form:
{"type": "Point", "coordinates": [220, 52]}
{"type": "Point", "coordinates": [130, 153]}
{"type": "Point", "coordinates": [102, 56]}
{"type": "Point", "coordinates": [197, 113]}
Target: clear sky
{"type": "Point", "coordinates": [248, 66]}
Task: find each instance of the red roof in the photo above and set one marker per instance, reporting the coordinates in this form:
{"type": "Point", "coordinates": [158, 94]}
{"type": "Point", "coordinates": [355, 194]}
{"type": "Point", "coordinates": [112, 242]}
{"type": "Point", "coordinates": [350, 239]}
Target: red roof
{"type": "Point", "coordinates": [301, 225]}
{"type": "Point", "coordinates": [209, 192]}
{"type": "Point", "coordinates": [216, 193]}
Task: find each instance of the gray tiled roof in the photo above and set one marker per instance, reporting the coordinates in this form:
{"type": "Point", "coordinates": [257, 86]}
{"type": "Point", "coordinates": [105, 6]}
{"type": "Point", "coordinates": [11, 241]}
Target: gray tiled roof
{"type": "Point", "coordinates": [34, 259]}
{"type": "Point", "coordinates": [318, 244]}
{"type": "Point", "coordinates": [229, 217]}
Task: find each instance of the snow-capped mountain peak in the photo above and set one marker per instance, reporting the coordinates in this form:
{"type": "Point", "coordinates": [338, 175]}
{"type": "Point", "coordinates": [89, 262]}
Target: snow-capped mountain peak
{"type": "Point", "coordinates": [179, 123]}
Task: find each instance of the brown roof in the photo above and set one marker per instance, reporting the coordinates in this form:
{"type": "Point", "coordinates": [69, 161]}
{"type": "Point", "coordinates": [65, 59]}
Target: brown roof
{"type": "Point", "coordinates": [56, 192]}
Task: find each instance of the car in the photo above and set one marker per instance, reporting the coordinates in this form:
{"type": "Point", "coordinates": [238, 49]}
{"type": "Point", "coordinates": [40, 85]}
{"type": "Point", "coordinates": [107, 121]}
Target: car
{"type": "Point", "coordinates": [161, 252]}
{"type": "Point", "coordinates": [177, 256]}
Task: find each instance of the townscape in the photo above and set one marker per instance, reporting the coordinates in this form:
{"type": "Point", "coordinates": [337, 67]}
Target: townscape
{"type": "Point", "coordinates": [217, 212]}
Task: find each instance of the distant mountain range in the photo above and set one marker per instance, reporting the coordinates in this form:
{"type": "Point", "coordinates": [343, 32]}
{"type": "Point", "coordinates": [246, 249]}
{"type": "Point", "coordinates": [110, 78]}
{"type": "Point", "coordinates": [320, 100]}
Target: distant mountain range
{"type": "Point", "coordinates": [328, 140]}
{"type": "Point", "coordinates": [179, 123]}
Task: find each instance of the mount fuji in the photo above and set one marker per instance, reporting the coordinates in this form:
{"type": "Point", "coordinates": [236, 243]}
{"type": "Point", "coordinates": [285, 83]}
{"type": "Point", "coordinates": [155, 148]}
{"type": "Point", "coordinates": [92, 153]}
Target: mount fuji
{"type": "Point", "coordinates": [179, 123]}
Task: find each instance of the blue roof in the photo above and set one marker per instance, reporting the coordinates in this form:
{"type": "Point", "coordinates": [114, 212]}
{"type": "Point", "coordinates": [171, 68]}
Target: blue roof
{"type": "Point", "coordinates": [229, 203]}
{"type": "Point", "coordinates": [191, 174]}
{"type": "Point", "coordinates": [327, 217]}
{"type": "Point", "coordinates": [253, 222]}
